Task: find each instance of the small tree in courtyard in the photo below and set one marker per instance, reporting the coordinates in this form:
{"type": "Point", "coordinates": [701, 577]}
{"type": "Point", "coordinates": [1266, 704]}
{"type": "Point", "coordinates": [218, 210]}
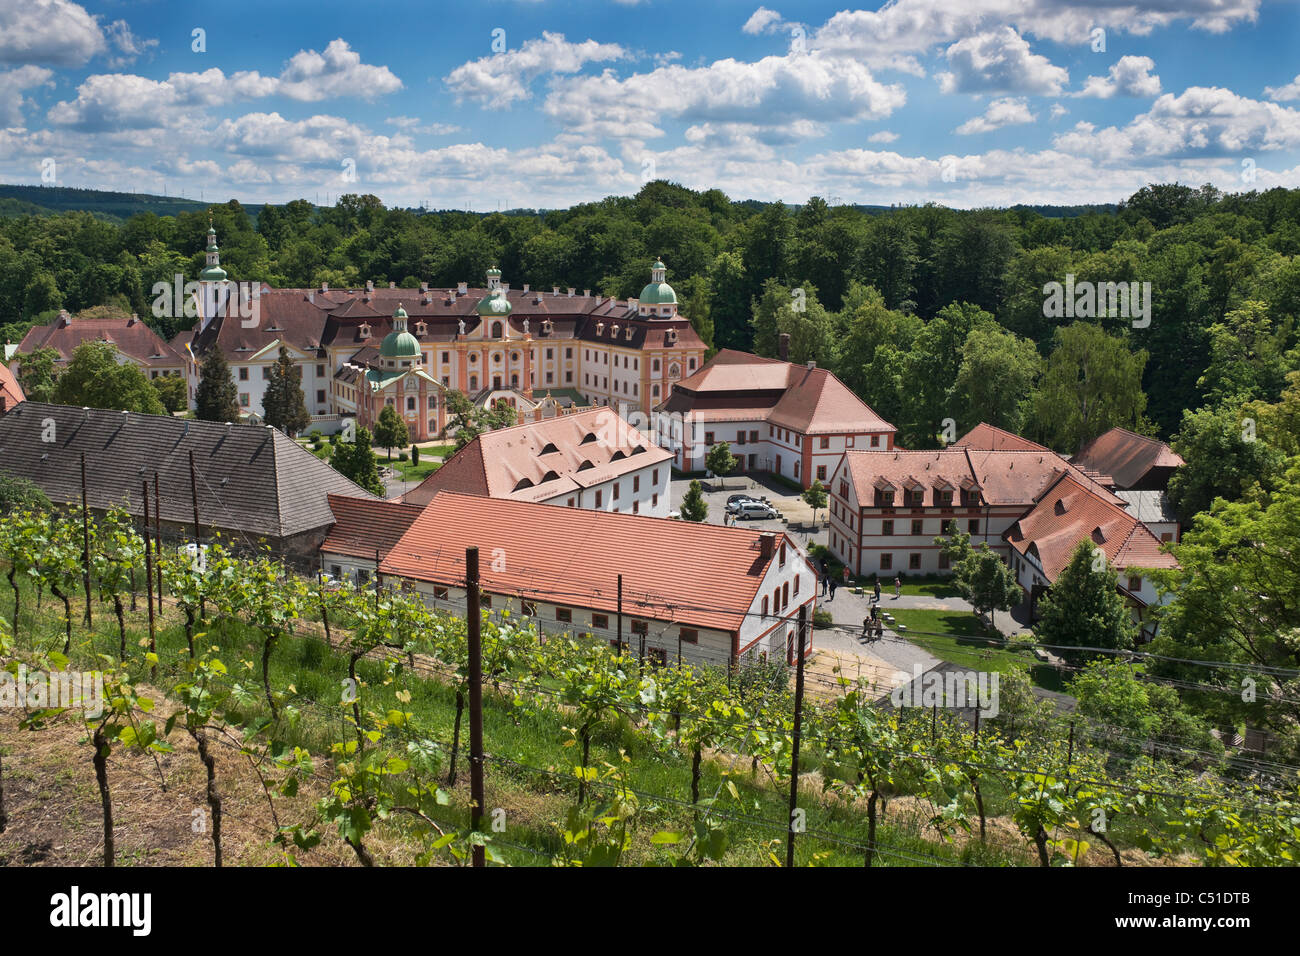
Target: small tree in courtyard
{"type": "Point", "coordinates": [720, 460]}
{"type": "Point", "coordinates": [694, 507]}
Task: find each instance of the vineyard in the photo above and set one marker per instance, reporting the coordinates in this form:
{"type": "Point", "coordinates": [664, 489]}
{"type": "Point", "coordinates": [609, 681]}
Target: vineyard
{"type": "Point", "coordinates": [306, 725]}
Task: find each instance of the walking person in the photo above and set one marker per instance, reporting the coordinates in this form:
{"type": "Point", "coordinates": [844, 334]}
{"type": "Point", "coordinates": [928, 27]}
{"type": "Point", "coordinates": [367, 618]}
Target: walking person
{"type": "Point", "coordinates": [877, 590]}
{"type": "Point", "coordinates": [898, 588]}
{"type": "Point", "coordinates": [832, 597]}
{"type": "Point", "coordinates": [866, 628]}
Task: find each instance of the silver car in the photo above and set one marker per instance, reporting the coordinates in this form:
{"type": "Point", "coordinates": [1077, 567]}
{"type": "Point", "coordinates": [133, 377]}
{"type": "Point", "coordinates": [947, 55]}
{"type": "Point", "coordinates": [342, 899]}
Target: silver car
{"type": "Point", "coordinates": [752, 510]}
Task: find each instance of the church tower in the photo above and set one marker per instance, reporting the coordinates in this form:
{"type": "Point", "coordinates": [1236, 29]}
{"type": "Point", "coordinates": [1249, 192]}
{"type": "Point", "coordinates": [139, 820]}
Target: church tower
{"type": "Point", "coordinates": [215, 287]}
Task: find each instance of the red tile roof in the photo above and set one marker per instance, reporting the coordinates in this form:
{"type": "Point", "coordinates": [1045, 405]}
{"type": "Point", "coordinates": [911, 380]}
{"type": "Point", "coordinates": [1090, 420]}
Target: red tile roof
{"type": "Point", "coordinates": [363, 526]}
{"type": "Point", "coordinates": [10, 390]}
{"type": "Point", "coordinates": [986, 437]}
{"type": "Point", "coordinates": [738, 386]}
{"type": "Point", "coordinates": [587, 448]}
{"type": "Point", "coordinates": [702, 575]}
{"type": "Point", "coordinates": [1002, 477]}
{"type": "Point", "coordinates": [1069, 512]}
{"type": "Point", "coordinates": [1126, 455]}
{"type": "Point", "coordinates": [131, 336]}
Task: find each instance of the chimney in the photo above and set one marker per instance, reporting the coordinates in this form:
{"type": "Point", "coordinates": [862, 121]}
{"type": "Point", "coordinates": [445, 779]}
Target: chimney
{"type": "Point", "coordinates": [133, 320]}
{"type": "Point", "coordinates": [586, 293]}
{"type": "Point", "coordinates": [311, 296]}
{"type": "Point", "coordinates": [811, 365]}
{"type": "Point", "coordinates": [462, 288]}
{"type": "Point", "coordinates": [324, 286]}
{"type": "Point", "coordinates": [392, 285]}
{"type": "Point", "coordinates": [525, 286]}
{"type": "Point", "coordinates": [424, 287]}
{"type": "Point", "coordinates": [571, 291]}
{"type": "Point", "coordinates": [783, 346]}
{"type": "Point", "coordinates": [370, 285]}
{"type": "Point", "coordinates": [767, 545]}
{"type": "Point", "coordinates": [555, 290]}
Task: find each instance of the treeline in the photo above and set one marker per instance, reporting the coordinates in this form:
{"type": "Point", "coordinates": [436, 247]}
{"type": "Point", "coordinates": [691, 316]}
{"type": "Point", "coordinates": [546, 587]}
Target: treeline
{"type": "Point", "coordinates": [1222, 268]}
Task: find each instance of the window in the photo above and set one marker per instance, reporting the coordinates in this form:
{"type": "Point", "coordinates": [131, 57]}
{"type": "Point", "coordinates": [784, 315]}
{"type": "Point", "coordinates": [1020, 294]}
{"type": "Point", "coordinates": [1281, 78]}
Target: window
{"type": "Point", "coordinates": [568, 353]}
{"type": "Point", "coordinates": [886, 562]}
{"type": "Point", "coordinates": [243, 399]}
{"type": "Point", "coordinates": [486, 600]}
{"type": "Point", "coordinates": [243, 374]}
{"type": "Point", "coordinates": [600, 496]}
{"type": "Point", "coordinates": [943, 561]}
{"type": "Point", "coordinates": [433, 402]}
{"type": "Point", "coordinates": [973, 526]}
{"type": "Point", "coordinates": [917, 526]}
{"type": "Point", "coordinates": [640, 627]}
{"type": "Point", "coordinates": [875, 441]}
{"type": "Point", "coordinates": [600, 620]}
{"type": "Point", "coordinates": [918, 496]}
{"type": "Point", "coordinates": [796, 584]}
{"type": "Point", "coordinates": [266, 372]}
{"type": "Point", "coordinates": [1135, 582]}
{"type": "Point", "coordinates": [691, 365]}
{"type": "Point", "coordinates": [689, 635]}
{"type": "Point", "coordinates": [887, 528]}
{"type": "Point", "coordinates": [914, 562]}
{"type": "Point", "coordinates": [362, 575]}
{"type": "Point", "coordinates": [708, 438]}
{"type": "Point", "coordinates": [886, 499]}
{"type": "Point", "coordinates": [570, 502]}
{"type": "Point", "coordinates": [320, 395]}
{"type": "Point", "coordinates": [782, 554]}
{"type": "Point", "coordinates": [764, 607]}
{"type": "Point", "coordinates": [410, 403]}
{"type": "Point", "coordinates": [564, 614]}
{"type": "Point", "coordinates": [440, 594]}
{"type": "Point", "coordinates": [821, 472]}
{"type": "Point", "coordinates": [785, 594]}
{"type": "Point", "coordinates": [826, 441]}
{"type": "Point", "coordinates": [654, 477]}
{"type": "Point", "coordinates": [945, 499]}
{"type": "Point", "coordinates": [654, 499]}
{"type": "Point", "coordinates": [740, 437]}
{"type": "Point", "coordinates": [636, 483]}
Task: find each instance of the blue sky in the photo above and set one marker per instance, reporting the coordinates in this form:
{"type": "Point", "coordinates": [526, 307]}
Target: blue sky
{"type": "Point", "coordinates": [505, 103]}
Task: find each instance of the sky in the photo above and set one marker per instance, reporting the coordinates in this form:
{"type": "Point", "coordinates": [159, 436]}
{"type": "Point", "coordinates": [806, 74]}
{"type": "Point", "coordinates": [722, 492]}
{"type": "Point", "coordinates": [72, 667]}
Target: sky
{"type": "Point", "coordinates": [503, 104]}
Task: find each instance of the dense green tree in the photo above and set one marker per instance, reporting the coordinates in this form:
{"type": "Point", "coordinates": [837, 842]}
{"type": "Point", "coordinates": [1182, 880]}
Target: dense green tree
{"type": "Point", "coordinates": [217, 397]}
{"type": "Point", "coordinates": [694, 507]}
{"type": "Point", "coordinates": [720, 460]}
{"type": "Point", "coordinates": [283, 404]}
{"type": "Point", "coordinates": [36, 374]}
{"type": "Point", "coordinates": [19, 494]}
{"type": "Point", "coordinates": [1092, 383]}
{"type": "Point", "coordinates": [172, 391]}
{"type": "Point", "coordinates": [96, 379]}
{"type": "Point", "coordinates": [996, 379]}
{"type": "Point", "coordinates": [814, 497]}
{"type": "Point", "coordinates": [1084, 608]}
{"type": "Point", "coordinates": [356, 460]}
{"type": "Point", "coordinates": [1225, 458]}
{"type": "Point", "coordinates": [390, 431]}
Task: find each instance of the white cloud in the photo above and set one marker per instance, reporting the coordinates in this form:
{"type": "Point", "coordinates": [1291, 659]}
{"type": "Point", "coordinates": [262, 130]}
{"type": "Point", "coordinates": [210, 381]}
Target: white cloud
{"type": "Point", "coordinates": [999, 62]}
{"type": "Point", "coordinates": [1131, 76]}
{"type": "Point", "coordinates": [107, 101]}
{"type": "Point", "coordinates": [12, 85]}
{"type": "Point", "coordinates": [1058, 111]}
{"type": "Point", "coordinates": [129, 46]}
{"type": "Point", "coordinates": [1008, 111]}
{"type": "Point", "coordinates": [915, 26]}
{"type": "Point", "coordinates": [1290, 91]}
{"type": "Point", "coordinates": [503, 78]}
{"type": "Point", "coordinates": [884, 136]}
{"type": "Point", "coordinates": [415, 125]}
{"type": "Point", "coordinates": [52, 32]}
{"type": "Point", "coordinates": [1200, 121]}
{"type": "Point", "coordinates": [762, 20]}
{"type": "Point", "coordinates": [310, 76]}
{"type": "Point", "coordinates": [771, 92]}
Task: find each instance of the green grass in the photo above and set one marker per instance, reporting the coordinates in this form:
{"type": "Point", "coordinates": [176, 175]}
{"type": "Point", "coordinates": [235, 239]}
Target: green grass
{"type": "Point", "coordinates": [961, 638]}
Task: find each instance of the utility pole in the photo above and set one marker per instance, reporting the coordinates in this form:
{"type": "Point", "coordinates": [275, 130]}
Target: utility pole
{"type": "Point", "coordinates": [620, 615]}
{"type": "Point", "coordinates": [85, 533]}
{"type": "Point", "coordinates": [475, 643]}
{"type": "Point", "coordinates": [198, 547]}
{"type": "Point", "coordinates": [157, 539]}
{"type": "Point", "coordinates": [148, 575]}
{"type": "Point", "coordinates": [794, 751]}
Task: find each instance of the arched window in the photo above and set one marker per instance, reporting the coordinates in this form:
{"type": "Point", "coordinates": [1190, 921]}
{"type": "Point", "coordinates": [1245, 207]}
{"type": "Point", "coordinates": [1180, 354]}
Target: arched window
{"type": "Point", "coordinates": [496, 330]}
{"type": "Point", "coordinates": [473, 383]}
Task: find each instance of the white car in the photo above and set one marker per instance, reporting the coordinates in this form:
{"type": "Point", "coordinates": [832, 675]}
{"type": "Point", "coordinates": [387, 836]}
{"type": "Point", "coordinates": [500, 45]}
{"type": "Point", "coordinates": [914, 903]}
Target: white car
{"type": "Point", "coordinates": [751, 510]}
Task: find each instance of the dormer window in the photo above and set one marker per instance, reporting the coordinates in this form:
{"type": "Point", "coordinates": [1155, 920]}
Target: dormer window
{"type": "Point", "coordinates": [548, 449]}
{"type": "Point", "coordinates": [585, 465]}
{"type": "Point", "coordinates": [629, 333]}
{"type": "Point", "coordinates": [550, 476]}
{"type": "Point", "coordinates": [497, 330]}
{"type": "Point", "coordinates": [589, 437]}
{"type": "Point", "coordinates": [618, 455]}
{"type": "Point", "coordinates": [421, 327]}
{"type": "Point", "coordinates": [365, 330]}
{"type": "Point", "coordinates": [600, 328]}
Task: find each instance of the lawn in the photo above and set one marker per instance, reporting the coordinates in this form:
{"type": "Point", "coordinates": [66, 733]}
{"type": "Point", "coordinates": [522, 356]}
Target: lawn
{"type": "Point", "coordinates": [961, 638]}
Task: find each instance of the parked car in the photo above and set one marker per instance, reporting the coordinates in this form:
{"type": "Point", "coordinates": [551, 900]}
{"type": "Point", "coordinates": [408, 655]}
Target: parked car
{"type": "Point", "coordinates": [751, 510]}
{"type": "Point", "coordinates": [735, 501]}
